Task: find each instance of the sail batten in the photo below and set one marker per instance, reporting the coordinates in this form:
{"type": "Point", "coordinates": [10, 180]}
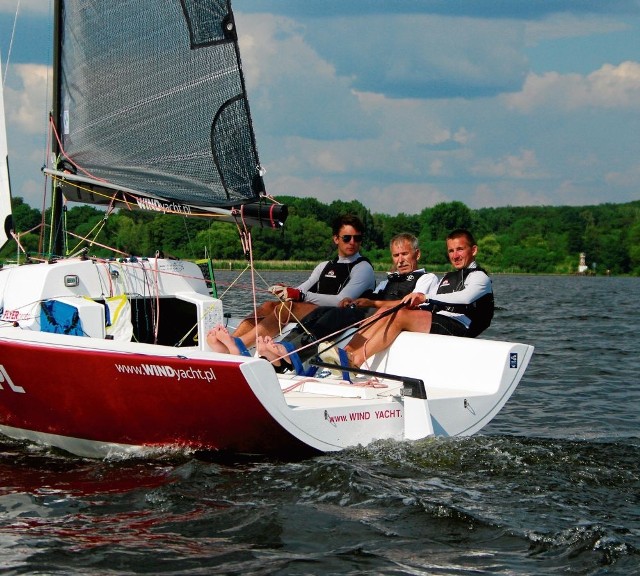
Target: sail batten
{"type": "Point", "coordinates": [152, 99]}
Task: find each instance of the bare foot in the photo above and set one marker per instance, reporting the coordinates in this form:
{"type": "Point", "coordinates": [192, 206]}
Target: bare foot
{"type": "Point", "coordinates": [271, 350]}
{"type": "Point", "coordinates": [229, 341]}
{"type": "Point", "coordinates": [356, 357]}
{"type": "Point", "coordinates": [217, 338]}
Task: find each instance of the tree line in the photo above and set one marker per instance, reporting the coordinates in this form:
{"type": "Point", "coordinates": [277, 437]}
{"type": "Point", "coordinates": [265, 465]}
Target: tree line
{"type": "Point", "coordinates": [533, 239]}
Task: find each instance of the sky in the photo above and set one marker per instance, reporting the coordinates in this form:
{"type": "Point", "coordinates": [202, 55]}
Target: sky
{"type": "Point", "coordinates": [403, 104]}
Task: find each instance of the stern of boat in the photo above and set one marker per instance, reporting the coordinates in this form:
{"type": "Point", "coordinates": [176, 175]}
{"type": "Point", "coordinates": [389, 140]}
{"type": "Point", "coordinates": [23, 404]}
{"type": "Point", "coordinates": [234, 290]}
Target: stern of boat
{"type": "Point", "coordinates": [467, 380]}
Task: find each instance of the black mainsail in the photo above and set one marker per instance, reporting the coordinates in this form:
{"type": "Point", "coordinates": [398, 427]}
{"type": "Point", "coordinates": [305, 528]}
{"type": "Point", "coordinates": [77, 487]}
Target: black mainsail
{"type": "Point", "coordinates": [153, 110]}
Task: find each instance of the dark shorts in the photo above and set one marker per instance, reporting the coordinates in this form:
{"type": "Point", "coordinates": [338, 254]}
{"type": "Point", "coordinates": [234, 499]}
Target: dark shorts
{"type": "Point", "coordinates": [322, 322]}
{"type": "Point", "coordinates": [441, 324]}
{"type": "Point", "coordinates": [325, 320]}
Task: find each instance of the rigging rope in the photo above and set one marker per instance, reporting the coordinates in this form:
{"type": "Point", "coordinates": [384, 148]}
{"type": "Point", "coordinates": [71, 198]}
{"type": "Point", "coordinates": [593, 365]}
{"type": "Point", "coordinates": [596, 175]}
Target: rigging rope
{"type": "Point", "coordinates": [156, 320]}
{"type": "Point", "coordinates": [245, 239]}
{"type": "Point", "coordinates": [13, 33]}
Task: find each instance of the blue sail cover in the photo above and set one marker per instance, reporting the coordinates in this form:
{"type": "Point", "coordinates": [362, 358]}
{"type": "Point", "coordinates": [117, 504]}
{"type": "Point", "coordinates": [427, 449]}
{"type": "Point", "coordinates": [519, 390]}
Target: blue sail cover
{"type": "Point", "coordinates": [153, 100]}
{"type": "Point", "coordinates": [60, 318]}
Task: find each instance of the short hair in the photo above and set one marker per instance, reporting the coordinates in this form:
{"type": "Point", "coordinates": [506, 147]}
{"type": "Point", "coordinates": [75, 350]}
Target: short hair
{"type": "Point", "coordinates": [347, 220]}
{"type": "Point", "coordinates": [404, 237]}
{"type": "Point", "coordinates": [458, 232]}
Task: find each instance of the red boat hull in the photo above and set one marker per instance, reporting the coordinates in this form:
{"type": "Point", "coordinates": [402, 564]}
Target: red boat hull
{"type": "Point", "coordinates": [136, 399]}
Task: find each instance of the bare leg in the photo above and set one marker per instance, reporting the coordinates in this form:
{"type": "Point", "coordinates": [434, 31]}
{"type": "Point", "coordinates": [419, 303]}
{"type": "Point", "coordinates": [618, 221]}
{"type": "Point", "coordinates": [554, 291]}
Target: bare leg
{"type": "Point", "coordinates": [281, 315]}
{"type": "Point", "coordinates": [379, 336]}
{"type": "Point", "coordinates": [248, 324]}
{"type": "Point", "coordinates": [362, 337]}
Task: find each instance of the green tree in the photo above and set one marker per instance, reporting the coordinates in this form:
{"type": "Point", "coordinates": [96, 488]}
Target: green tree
{"type": "Point", "coordinates": [24, 217]}
{"type": "Point", "coordinates": [489, 250]}
{"type": "Point", "coordinates": [523, 239]}
{"type": "Point", "coordinates": [443, 218]}
{"type": "Point", "coordinates": [309, 239]}
{"type": "Point", "coordinates": [220, 242]}
{"type": "Point", "coordinates": [634, 249]}
{"type": "Point", "coordinates": [389, 226]}
{"type": "Point", "coordinates": [129, 235]}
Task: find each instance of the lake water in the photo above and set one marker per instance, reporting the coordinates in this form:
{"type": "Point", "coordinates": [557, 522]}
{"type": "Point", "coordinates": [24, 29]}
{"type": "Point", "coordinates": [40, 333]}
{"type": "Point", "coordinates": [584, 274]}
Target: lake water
{"type": "Point", "coordinates": [551, 486]}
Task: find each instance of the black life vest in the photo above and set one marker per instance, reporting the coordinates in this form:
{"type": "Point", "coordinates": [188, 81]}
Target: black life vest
{"type": "Point", "coordinates": [335, 275]}
{"type": "Point", "coordinates": [480, 312]}
{"type": "Point", "coordinates": [399, 285]}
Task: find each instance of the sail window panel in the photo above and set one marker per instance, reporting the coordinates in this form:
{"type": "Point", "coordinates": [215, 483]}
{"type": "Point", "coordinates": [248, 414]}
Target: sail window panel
{"type": "Point", "coordinates": [208, 22]}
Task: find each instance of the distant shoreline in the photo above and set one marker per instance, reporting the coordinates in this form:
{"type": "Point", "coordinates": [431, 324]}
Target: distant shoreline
{"type": "Point", "coordinates": [293, 265]}
{"type": "Point", "coordinates": [307, 266]}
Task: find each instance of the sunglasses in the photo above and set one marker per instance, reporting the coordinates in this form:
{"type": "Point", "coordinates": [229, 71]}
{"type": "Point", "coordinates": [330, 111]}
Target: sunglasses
{"type": "Point", "coordinates": [347, 237]}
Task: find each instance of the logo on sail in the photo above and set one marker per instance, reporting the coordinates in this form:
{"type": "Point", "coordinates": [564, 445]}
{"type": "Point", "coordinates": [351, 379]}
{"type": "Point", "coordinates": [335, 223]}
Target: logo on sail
{"type": "Point", "coordinates": [159, 206]}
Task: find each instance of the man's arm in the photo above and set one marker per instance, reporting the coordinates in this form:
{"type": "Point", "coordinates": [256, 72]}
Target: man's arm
{"type": "Point", "coordinates": [424, 285]}
{"type": "Point", "coordinates": [368, 302]}
{"type": "Point", "coordinates": [314, 278]}
{"type": "Point", "coordinates": [427, 283]}
{"type": "Point", "coordinates": [476, 285]}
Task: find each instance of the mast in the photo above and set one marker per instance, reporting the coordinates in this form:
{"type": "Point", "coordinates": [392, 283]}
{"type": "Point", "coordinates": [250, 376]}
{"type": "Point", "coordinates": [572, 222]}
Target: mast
{"type": "Point", "coordinates": [56, 239]}
{"type": "Point", "coordinates": [6, 213]}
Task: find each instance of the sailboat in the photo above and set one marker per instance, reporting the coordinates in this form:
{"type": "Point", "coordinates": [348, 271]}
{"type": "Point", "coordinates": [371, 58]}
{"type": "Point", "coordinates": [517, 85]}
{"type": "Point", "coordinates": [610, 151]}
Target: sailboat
{"type": "Point", "coordinates": [107, 357]}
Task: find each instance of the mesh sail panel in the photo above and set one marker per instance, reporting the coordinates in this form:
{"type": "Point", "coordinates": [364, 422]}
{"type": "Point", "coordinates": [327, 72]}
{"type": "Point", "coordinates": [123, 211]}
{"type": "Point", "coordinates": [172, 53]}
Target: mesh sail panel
{"type": "Point", "coordinates": [152, 99]}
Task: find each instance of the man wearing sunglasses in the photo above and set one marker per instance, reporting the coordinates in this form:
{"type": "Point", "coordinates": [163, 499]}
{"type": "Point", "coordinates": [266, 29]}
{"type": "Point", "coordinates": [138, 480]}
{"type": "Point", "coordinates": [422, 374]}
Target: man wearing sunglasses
{"type": "Point", "coordinates": [348, 275]}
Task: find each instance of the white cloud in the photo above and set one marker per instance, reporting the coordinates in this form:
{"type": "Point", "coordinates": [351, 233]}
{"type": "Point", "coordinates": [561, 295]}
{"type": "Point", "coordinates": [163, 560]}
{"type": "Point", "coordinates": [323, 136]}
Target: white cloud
{"type": "Point", "coordinates": [292, 90]}
{"type": "Point", "coordinates": [407, 198]}
{"type": "Point", "coordinates": [26, 94]}
{"type": "Point", "coordinates": [387, 199]}
{"type": "Point", "coordinates": [403, 111]}
{"type": "Point", "coordinates": [436, 166]}
{"type": "Point", "coordinates": [566, 25]}
{"type": "Point", "coordinates": [32, 6]}
{"type": "Point", "coordinates": [628, 178]}
{"type": "Point", "coordinates": [506, 194]}
{"type": "Point", "coordinates": [516, 166]}
{"type": "Point", "coordinates": [26, 100]}
{"type": "Point", "coordinates": [424, 56]}
{"type": "Point", "coordinates": [609, 87]}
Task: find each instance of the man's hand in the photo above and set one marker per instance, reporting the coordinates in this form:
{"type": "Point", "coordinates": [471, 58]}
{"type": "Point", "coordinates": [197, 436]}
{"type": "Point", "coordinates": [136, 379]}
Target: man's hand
{"type": "Point", "coordinates": [414, 299]}
{"type": "Point", "coordinates": [286, 293]}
